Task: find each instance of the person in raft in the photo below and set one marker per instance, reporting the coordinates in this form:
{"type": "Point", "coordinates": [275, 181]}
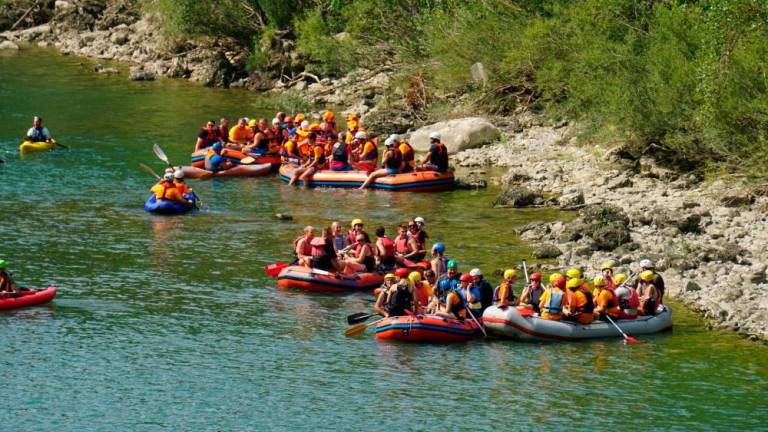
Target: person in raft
{"type": "Point", "coordinates": [437, 155]}
{"type": "Point", "coordinates": [302, 247]}
{"type": "Point", "coordinates": [207, 136]}
{"type": "Point", "coordinates": [531, 296]}
{"type": "Point", "coordinates": [224, 130]}
{"type": "Point", "coordinates": [422, 291]}
{"type": "Point", "coordinates": [382, 301]}
{"type": "Point", "coordinates": [482, 289]}
{"type": "Point", "coordinates": [360, 258]}
{"type": "Point", "coordinates": [627, 296]}
{"type": "Point", "coordinates": [658, 281]}
{"type": "Point", "coordinates": [581, 307]}
{"type": "Point", "coordinates": [316, 162]}
{"type": "Point", "coordinates": [405, 246]}
{"type": "Point", "coordinates": [503, 295]}
{"type": "Point", "coordinates": [367, 151]}
{"type": "Point", "coordinates": [390, 163]}
{"type": "Point", "coordinates": [341, 154]}
{"type": "Point", "coordinates": [324, 253]}
{"type": "Point", "coordinates": [385, 250]}
{"type": "Point", "coordinates": [398, 300]}
{"type": "Point", "coordinates": [606, 303]}
{"type": "Point", "coordinates": [7, 285]}
{"type": "Point", "coordinates": [456, 300]}
{"type": "Point", "coordinates": [607, 270]}
{"type": "Point", "coordinates": [357, 228]}
{"type": "Point", "coordinates": [340, 241]}
{"type": "Point", "coordinates": [38, 132]}
{"type": "Point", "coordinates": [214, 161]}
{"type": "Point", "coordinates": [416, 230]}
{"type": "Point", "coordinates": [240, 135]}
{"type": "Point", "coordinates": [165, 190]}
{"type": "Point", "coordinates": [551, 303]}
{"type": "Point", "coordinates": [650, 296]}
{"type": "Point", "coordinates": [438, 262]}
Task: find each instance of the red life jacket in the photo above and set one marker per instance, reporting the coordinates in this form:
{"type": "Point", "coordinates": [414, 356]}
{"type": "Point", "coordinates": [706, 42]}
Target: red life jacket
{"type": "Point", "coordinates": [318, 247]}
{"type": "Point", "coordinates": [307, 250]}
{"type": "Point", "coordinates": [389, 247]}
{"type": "Point", "coordinates": [401, 245]}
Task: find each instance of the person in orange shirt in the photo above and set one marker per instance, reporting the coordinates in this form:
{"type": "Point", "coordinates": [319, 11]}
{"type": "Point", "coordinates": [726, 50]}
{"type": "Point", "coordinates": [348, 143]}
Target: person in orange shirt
{"type": "Point", "coordinates": [368, 151]}
{"type": "Point", "coordinates": [581, 305]}
{"type": "Point", "coordinates": [240, 135]}
{"type": "Point", "coordinates": [179, 184]}
{"type": "Point", "coordinates": [166, 191]}
{"type": "Point", "coordinates": [504, 295]}
{"type": "Point", "coordinates": [316, 162]}
{"type": "Point", "coordinates": [606, 302]}
{"type": "Point", "coordinates": [422, 291]}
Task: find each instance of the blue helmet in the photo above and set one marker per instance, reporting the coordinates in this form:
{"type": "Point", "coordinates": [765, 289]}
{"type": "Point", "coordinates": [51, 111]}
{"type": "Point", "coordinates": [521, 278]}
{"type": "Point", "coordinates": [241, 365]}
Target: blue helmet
{"type": "Point", "coordinates": [438, 247]}
{"type": "Point", "coordinates": [217, 146]}
{"type": "Point", "coordinates": [216, 160]}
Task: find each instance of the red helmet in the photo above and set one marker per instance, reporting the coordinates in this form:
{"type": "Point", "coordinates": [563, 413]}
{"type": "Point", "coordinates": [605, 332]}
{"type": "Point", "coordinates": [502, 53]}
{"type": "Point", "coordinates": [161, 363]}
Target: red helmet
{"type": "Point", "coordinates": [560, 282]}
{"type": "Point", "coordinates": [466, 278]}
{"type": "Point", "coordinates": [402, 272]}
{"type": "Point", "coordinates": [536, 277]}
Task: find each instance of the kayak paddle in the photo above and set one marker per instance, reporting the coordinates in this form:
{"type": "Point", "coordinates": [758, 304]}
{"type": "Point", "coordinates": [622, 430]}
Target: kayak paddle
{"type": "Point", "coordinates": [149, 171]}
{"type": "Point", "coordinates": [161, 155]}
{"type": "Point", "coordinates": [629, 339]}
{"type": "Point", "coordinates": [359, 317]}
{"type": "Point", "coordinates": [359, 328]}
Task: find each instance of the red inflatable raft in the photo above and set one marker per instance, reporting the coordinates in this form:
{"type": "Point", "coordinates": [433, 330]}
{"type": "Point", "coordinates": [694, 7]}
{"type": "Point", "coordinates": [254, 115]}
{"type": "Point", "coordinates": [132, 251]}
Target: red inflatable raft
{"type": "Point", "coordinates": [426, 328]}
{"type": "Point", "coordinates": [28, 298]}
{"type": "Point", "coordinates": [198, 158]}
{"type": "Point", "coordinates": [307, 279]}
{"type": "Point", "coordinates": [255, 170]}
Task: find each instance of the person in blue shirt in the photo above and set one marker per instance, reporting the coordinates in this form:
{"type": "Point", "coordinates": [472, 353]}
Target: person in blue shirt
{"type": "Point", "coordinates": [448, 281]}
{"type": "Point", "coordinates": [214, 161]}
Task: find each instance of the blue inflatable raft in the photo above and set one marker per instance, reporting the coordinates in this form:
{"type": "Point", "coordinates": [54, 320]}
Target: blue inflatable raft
{"type": "Point", "coordinates": [168, 207]}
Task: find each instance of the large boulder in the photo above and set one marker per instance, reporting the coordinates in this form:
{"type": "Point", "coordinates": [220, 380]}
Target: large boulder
{"type": "Point", "coordinates": [517, 197]}
{"type": "Point", "coordinates": [458, 134]}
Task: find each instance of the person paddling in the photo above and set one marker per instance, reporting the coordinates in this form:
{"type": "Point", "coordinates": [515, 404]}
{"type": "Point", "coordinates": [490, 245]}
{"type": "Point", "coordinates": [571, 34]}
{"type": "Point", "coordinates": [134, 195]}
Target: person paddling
{"type": "Point", "coordinates": [400, 299]}
{"type": "Point", "coordinates": [166, 191]}
{"type": "Point", "coordinates": [7, 285]}
{"type": "Point", "coordinates": [180, 184]}
{"type": "Point", "coordinates": [38, 132]}
{"type": "Point", "coordinates": [382, 301]}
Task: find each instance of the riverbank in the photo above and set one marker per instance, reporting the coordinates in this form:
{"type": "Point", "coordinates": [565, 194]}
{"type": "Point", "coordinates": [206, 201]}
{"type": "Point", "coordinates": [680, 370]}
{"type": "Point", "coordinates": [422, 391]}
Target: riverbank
{"type": "Point", "coordinates": [707, 237]}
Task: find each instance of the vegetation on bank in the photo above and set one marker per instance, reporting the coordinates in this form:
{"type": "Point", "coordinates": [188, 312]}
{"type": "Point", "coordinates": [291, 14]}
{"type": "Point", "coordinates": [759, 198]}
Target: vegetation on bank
{"type": "Point", "coordinates": [686, 80]}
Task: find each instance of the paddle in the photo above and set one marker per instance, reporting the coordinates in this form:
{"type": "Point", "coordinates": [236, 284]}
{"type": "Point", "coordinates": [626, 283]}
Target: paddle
{"type": "Point", "coordinates": [359, 328]}
{"type": "Point", "coordinates": [475, 320]}
{"type": "Point", "coordinates": [359, 317]}
{"type": "Point", "coordinates": [161, 155]}
{"type": "Point", "coordinates": [150, 171]}
{"type": "Point", "coordinates": [248, 160]}
{"type": "Point", "coordinates": [629, 339]}
{"type": "Point", "coordinates": [525, 271]}
{"type": "Point", "coordinates": [56, 144]}
{"type": "Point", "coordinates": [274, 269]}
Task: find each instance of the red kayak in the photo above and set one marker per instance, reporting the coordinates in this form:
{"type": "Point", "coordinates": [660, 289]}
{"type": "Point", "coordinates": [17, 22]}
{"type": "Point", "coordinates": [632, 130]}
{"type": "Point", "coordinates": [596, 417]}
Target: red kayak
{"type": "Point", "coordinates": [28, 298]}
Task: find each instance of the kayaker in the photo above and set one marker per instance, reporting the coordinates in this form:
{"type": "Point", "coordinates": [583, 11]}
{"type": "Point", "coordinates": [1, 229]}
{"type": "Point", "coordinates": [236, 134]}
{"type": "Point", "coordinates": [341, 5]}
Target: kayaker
{"type": "Point", "coordinates": [7, 285]}
{"type": "Point", "coordinates": [340, 241]}
{"type": "Point", "coordinates": [627, 296]}
{"type": "Point", "coordinates": [240, 135]}
{"type": "Point", "coordinates": [207, 136]}
{"type": "Point", "coordinates": [531, 296]}
{"type": "Point", "coordinates": [166, 191]}
{"type": "Point", "coordinates": [483, 288]}
{"type": "Point", "coordinates": [360, 257]}
{"type": "Point", "coordinates": [340, 155]}
{"type": "Point", "coordinates": [448, 281]}
{"type": "Point", "coordinates": [302, 247]}
{"type": "Point", "coordinates": [503, 295]}
{"type": "Point", "coordinates": [224, 130]}
{"type": "Point", "coordinates": [405, 246]}
{"type": "Point", "coordinates": [437, 264]}
{"type": "Point", "coordinates": [551, 303]}
{"type": "Point", "coordinates": [422, 291]}
{"type": "Point", "coordinates": [214, 161]}
{"type": "Point", "coordinates": [606, 302]}
{"type": "Point", "coordinates": [179, 184]}
{"type": "Point", "coordinates": [581, 305]}
{"type": "Point", "coordinates": [38, 132]}
{"type": "Point", "coordinates": [607, 270]}
{"type": "Point", "coordinates": [649, 294]}
{"type": "Point", "coordinates": [357, 228]}
{"type": "Point", "coordinates": [390, 164]}
{"type": "Point", "coordinates": [382, 302]}
{"type": "Point", "coordinates": [436, 158]}
{"type": "Point", "coordinates": [657, 281]}
{"type": "Point", "coordinates": [323, 252]}
{"type": "Point", "coordinates": [385, 248]}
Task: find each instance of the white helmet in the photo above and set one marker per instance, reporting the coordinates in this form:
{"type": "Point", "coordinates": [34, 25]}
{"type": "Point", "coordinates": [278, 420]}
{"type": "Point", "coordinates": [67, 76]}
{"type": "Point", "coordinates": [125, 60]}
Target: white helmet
{"type": "Point", "coordinates": [275, 121]}
{"type": "Point", "coordinates": [168, 176]}
{"type": "Point", "coordinates": [434, 135]}
{"type": "Point", "coordinates": [305, 124]}
{"type": "Point", "coordinates": [361, 135]}
{"type": "Point", "coordinates": [419, 219]}
{"type": "Point", "coordinates": [389, 142]}
{"type": "Point", "coordinates": [179, 174]}
{"type": "Point", "coordinates": [394, 137]}
{"type": "Point", "coordinates": [646, 263]}
{"type": "Point", "coordinates": [475, 272]}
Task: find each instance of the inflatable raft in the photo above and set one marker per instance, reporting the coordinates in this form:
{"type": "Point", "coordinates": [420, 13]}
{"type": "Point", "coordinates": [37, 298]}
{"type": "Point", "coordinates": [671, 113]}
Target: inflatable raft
{"type": "Point", "coordinates": [419, 181]}
{"type": "Point", "coordinates": [37, 146]}
{"type": "Point", "coordinates": [426, 328]}
{"type": "Point", "coordinates": [198, 158]}
{"type": "Point", "coordinates": [510, 322]}
{"type": "Point", "coordinates": [168, 207]}
{"type": "Point", "coordinates": [307, 279]}
{"type": "Point", "coordinates": [254, 170]}
{"type": "Point", "coordinates": [28, 298]}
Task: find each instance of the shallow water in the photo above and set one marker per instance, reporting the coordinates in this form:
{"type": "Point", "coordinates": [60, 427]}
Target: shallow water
{"type": "Point", "coordinates": [170, 323]}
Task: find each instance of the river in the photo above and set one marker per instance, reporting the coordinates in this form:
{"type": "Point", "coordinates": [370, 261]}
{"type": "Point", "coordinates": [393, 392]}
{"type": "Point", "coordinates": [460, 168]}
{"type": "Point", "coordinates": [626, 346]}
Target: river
{"type": "Point", "coordinates": [171, 324]}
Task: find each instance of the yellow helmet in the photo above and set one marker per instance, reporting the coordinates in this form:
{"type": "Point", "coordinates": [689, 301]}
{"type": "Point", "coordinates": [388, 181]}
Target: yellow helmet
{"type": "Point", "coordinates": [646, 276]}
{"type": "Point", "coordinates": [573, 283]}
{"type": "Point", "coordinates": [599, 281]}
{"type": "Point", "coordinates": [573, 273]}
{"type": "Point", "coordinates": [620, 278]}
{"type": "Point", "coordinates": [357, 222]}
{"type": "Point", "coordinates": [510, 273]}
{"type": "Point", "coordinates": [389, 276]}
{"type": "Point", "coordinates": [554, 276]}
{"type": "Point", "coordinates": [414, 277]}
{"type": "Point", "coordinates": [253, 123]}
{"type": "Point", "coordinates": [606, 266]}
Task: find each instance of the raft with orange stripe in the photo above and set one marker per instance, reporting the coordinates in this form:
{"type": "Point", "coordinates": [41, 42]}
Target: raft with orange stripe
{"type": "Point", "coordinates": [419, 181]}
{"type": "Point", "coordinates": [426, 328]}
{"type": "Point", "coordinates": [308, 279]}
{"type": "Point", "coordinates": [524, 325]}
{"type": "Point", "coordinates": [198, 158]}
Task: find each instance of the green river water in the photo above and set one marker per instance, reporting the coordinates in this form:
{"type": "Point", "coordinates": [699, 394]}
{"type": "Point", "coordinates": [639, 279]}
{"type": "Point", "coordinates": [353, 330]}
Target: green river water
{"type": "Point", "coordinates": [170, 323]}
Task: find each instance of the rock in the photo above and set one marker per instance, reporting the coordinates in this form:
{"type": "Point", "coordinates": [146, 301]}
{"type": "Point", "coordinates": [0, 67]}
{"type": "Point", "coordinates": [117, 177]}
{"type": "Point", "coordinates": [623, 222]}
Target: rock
{"type": "Point", "coordinates": [609, 236]}
{"type": "Point", "coordinates": [570, 200]}
{"type": "Point", "coordinates": [342, 37]}
{"type": "Point", "coordinates": [43, 44]}
{"type": "Point", "coordinates": [471, 181]}
{"type": "Point", "coordinates": [283, 216]}
{"type": "Point", "coordinates": [479, 75]}
{"type": "Point", "coordinates": [737, 200]}
{"type": "Point", "coordinates": [691, 286]}
{"type": "Point", "coordinates": [649, 168]}
{"type": "Point", "coordinates": [516, 197]}
{"type": "Point", "coordinates": [458, 134]}
{"type": "Point", "coordinates": [62, 5]}
{"type": "Point", "coordinates": [758, 275]}
{"type": "Point", "coordinates": [546, 250]}
{"type": "Point", "coordinates": [138, 73]}
{"type": "Point", "coordinates": [690, 224]}
{"type": "Point", "coordinates": [119, 37]}
{"type": "Point", "coordinates": [690, 204]}
{"type": "Point", "coordinates": [212, 70]}
{"type": "Point", "coordinates": [616, 154]}
{"type": "Point", "coordinates": [620, 182]}
{"type": "Point", "coordinates": [8, 45]}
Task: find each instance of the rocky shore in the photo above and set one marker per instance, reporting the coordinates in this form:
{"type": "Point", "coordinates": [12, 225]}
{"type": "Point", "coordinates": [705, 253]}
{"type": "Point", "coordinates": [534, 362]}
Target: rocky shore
{"type": "Point", "coordinates": [707, 238]}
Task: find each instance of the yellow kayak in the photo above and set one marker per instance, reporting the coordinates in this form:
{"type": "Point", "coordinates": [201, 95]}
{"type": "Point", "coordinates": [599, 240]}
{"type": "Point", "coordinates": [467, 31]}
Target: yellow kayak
{"type": "Point", "coordinates": [39, 146]}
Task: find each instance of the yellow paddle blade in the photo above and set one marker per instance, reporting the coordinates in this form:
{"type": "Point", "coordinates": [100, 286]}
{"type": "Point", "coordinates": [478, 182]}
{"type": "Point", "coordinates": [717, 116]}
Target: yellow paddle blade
{"type": "Point", "coordinates": [356, 329]}
{"type": "Point", "coordinates": [247, 160]}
